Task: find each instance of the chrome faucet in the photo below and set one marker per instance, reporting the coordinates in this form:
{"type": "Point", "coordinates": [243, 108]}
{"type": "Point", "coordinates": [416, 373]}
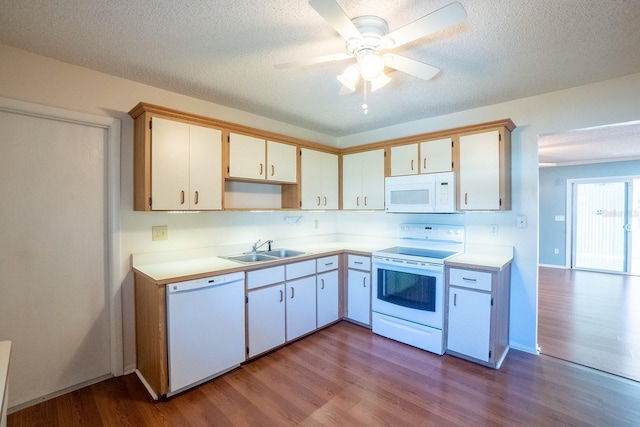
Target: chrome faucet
{"type": "Point", "coordinates": [256, 245]}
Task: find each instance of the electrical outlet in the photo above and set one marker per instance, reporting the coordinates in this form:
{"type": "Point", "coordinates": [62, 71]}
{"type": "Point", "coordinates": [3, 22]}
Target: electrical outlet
{"type": "Point", "coordinates": [493, 229]}
{"type": "Point", "coordinates": [556, 251]}
{"type": "Point", "coordinates": [159, 232]}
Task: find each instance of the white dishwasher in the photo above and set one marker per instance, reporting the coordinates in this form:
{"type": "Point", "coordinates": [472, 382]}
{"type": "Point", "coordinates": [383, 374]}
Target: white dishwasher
{"type": "Point", "coordinates": [205, 329]}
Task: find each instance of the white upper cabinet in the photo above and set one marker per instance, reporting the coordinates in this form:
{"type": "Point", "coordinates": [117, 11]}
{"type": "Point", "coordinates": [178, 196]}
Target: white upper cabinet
{"type": "Point", "coordinates": [435, 156]}
{"type": "Point", "coordinates": [281, 162]}
{"type": "Point", "coordinates": [485, 172]}
{"type": "Point", "coordinates": [319, 179]}
{"type": "Point", "coordinates": [424, 157]}
{"type": "Point", "coordinates": [185, 166]}
{"type": "Point", "coordinates": [404, 160]}
{"type": "Point", "coordinates": [256, 158]}
{"type": "Point", "coordinates": [363, 180]}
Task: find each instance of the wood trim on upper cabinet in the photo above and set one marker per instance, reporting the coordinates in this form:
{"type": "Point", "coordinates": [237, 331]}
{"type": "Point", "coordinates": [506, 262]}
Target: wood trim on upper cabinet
{"type": "Point", "coordinates": [144, 107]}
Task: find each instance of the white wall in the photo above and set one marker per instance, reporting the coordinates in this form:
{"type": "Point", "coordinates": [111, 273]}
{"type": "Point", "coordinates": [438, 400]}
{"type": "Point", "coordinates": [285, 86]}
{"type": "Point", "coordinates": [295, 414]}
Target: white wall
{"type": "Point", "coordinates": [41, 80]}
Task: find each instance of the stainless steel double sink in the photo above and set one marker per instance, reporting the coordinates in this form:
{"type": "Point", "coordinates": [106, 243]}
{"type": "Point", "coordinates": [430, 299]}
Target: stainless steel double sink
{"type": "Point", "coordinates": [262, 256]}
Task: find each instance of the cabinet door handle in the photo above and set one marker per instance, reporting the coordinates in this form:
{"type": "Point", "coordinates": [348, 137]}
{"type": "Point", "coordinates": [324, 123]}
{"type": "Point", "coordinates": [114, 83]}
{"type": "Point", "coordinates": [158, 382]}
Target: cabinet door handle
{"type": "Point", "coordinates": [261, 169]}
{"type": "Point", "coordinates": [424, 163]}
{"type": "Point", "coordinates": [318, 200]}
{"type": "Point", "coordinates": [325, 200]}
{"type": "Point", "coordinates": [197, 198]}
{"type": "Point", "coordinates": [365, 200]}
{"type": "Point", "coordinates": [465, 198]}
{"type": "Point", "coordinates": [358, 201]}
{"type": "Point", "coordinates": [469, 279]}
{"type": "Point", "coordinates": [292, 292]}
{"type": "Point", "coordinates": [182, 197]}
{"type": "Point", "coordinates": [322, 286]}
{"type": "Point", "coordinates": [411, 164]}
{"type": "Point", "coordinates": [364, 282]}
{"type": "Point", "coordinates": [281, 295]}
{"type": "Point", "coordinates": [273, 170]}
{"type": "Point", "coordinates": [455, 299]}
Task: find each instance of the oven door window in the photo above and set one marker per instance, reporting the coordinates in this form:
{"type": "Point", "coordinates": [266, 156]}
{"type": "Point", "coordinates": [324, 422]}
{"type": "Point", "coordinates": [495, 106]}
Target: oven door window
{"type": "Point", "coordinates": [407, 289]}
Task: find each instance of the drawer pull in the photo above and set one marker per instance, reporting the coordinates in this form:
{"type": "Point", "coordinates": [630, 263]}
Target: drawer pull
{"type": "Point", "coordinates": [468, 279]}
{"type": "Point", "coordinates": [327, 264]}
{"type": "Point", "coordinates": [358, 262]}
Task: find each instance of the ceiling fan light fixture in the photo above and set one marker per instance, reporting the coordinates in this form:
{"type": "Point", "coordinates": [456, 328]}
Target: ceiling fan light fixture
{"type": "Point", "coordinates": [379, 81]}
{"type": "Point", "coordinates": [371, 65]}
{"type": "Point", "coordinates": [350, 77]}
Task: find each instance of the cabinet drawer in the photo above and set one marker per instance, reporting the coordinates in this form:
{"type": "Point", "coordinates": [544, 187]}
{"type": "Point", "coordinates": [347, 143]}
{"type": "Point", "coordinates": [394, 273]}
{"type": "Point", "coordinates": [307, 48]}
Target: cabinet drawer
{"type": "Point", "coordinates": [327, 263]}
{"type": "Point", "coordinates": [266, 276]}
{"type": "Point", "coordinates": [301, 269]}
{"type": "Point", "coordinates": [359, 262]}
{"type": "Point", "coordinates": [472, 279]}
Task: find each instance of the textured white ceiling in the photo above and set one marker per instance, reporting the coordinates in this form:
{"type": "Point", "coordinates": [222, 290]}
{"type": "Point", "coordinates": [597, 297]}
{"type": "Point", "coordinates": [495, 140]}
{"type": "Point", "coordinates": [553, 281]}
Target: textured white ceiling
{"type": "Point", "coordinates": [593, 145]}
{"type": "Point", "coordinates": [224, 51]}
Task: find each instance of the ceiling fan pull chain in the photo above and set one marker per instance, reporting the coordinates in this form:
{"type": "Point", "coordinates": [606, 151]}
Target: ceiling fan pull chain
{"type": "Point", "coordinates": [365, 106]}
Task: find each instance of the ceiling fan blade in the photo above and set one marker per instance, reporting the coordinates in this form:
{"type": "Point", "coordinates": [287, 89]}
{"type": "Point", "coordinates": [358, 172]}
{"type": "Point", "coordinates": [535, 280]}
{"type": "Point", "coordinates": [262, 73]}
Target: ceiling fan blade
{"type": "Point", "coordinates": [410, 66]}
{"type": "Point", "coordinates": [440, 19]}
{"type": "Point", "coordinates": [315, 60]}
{"type": "Point", "coordinates": [335, 16]}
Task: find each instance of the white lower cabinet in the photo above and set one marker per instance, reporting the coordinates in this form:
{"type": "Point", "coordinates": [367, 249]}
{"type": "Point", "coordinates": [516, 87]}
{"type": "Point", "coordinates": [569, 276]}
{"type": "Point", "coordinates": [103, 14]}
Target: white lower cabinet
{"type": "Point", "coordinates": [469, 323]}
{"type": "Point", "coordinates": [301, 307]}
{"type": "Point", "coordinates": [327, 298]}
{"type": "Point", "coordinates": [266, 319]}
{"type": "Point", "coordinates": [359, 289]}
{"type": "Point", "coordinates": [477, 325]}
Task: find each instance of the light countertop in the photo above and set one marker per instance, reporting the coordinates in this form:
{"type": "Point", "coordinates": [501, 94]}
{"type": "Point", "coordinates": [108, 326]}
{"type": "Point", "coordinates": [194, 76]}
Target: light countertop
{"type": "Point", "coordinates": [171, 267]}
{"type": "Point", "coordinates": [486, 257]}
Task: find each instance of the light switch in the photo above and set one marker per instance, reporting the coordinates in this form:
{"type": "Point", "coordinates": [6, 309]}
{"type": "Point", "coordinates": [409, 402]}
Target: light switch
{"type": "Point", "coordinates": [559, 217]}
{"type": "Point", "coordinates": [159, 232]}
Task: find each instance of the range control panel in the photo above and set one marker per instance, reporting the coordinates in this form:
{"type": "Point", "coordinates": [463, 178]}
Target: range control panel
{"type": "Point", "coordinates": [432, 232]}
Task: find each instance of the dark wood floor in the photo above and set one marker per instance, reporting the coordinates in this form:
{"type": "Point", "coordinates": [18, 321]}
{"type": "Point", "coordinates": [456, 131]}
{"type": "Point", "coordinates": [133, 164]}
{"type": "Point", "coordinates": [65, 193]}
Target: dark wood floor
{"type": "Point", "coordinates": [590, 318]}
{"type": "Point", "coordinates": [345, 375]}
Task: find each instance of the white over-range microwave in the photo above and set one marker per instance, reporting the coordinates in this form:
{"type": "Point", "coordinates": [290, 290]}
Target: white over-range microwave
{"type": "Point", "coordinates": [423, 193]}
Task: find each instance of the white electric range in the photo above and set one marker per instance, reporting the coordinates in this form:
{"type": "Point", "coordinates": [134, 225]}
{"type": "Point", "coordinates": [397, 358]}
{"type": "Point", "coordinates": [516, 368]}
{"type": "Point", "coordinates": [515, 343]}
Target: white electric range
{"type": "Point", "coordinates": [408, 284]}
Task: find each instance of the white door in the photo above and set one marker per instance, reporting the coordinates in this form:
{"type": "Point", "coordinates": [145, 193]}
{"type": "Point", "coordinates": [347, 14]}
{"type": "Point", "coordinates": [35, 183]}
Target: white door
{"type": "Point", "coordinates": [54, 290]}
{"type": "Point", "coordinates": [266, 319]}
{"type": "Point", "coordinates": [311, 179]}
{"type": "Point", "coordinates": [247, 157]}
{"type": "Point", "coordinates": [352, 181]}
{"type": "Point", "coordinates": [404, 160]}
{"type": "Point", "coordinates": [330, 181]}
{"type": "Point", "coordinates": [301, 307]}
{"type": "Point", "coordinates": [435, 156]}
{"type": "Point", "coordinates": [480, 171]}
{"type": "Point", "coordinates": [281, 162]}
{"type": "Point", "coordinates": [169, 165]}
{"type": "Point", "coordinates": [205, 168]}
{"type": "Point", "coordinates": [359, 296]}
{"type": "Point", "coordinates": [469, 323]}
{"type": "Point", "coordinates": [327, 297]}
{"type": "Point", "coordinates": [373, 179]}
{"type": "Point", "coordinates": [603, 224]}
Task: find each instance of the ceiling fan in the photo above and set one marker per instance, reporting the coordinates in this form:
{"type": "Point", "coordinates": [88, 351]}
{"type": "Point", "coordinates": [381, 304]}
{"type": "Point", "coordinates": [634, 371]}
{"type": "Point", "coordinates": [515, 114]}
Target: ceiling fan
{"type": "Point", "coordinates": [367, 40]}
